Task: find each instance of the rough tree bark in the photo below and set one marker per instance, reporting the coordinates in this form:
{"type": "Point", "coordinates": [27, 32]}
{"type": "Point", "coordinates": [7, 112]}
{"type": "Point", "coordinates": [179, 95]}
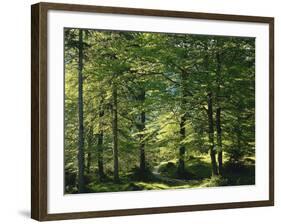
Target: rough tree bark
{"type": "Point", "coordinates": [81, 179]}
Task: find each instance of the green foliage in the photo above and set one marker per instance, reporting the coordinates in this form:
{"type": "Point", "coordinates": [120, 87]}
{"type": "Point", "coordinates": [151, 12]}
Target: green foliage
{"type": "Point", "coordinates": [163, 82]}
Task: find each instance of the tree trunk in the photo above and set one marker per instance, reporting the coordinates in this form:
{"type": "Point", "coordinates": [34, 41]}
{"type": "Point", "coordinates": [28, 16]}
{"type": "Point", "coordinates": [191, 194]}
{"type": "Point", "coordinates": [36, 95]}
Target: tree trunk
{"type": "Point", "coordinates": [115, 132]}
{"type": "Point", "coordinates": [218, 114]}
{"type": "Point", "coordinates": [238, 155]}
{"type": "Point", "coordinates": [211, 135]}
{"type": "Point", "coordinates": [181, 165]}
{"type": "Point", "coordinates": [142, 145]}
{"type": "Point", "coordinates": [90, 147]}
{"type": "Point", "coordinates": [219, 140]}
{"type": "Point", "coordinates": [81, 181]}
{"type": "Point", "coordinates": [182, 149]}
{"type": "Point", "coordinates": [141, 127]}
{"type": "Point", "coordinates": [100, 143]}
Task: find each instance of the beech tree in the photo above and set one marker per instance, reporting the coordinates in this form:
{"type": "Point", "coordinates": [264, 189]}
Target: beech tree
{"type": "Point", "coordinates": [143, 109]}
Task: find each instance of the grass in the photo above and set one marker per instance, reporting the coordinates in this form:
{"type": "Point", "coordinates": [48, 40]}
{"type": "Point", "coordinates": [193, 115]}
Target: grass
{"type": "Point", "coordinates": [163, 177]}
{"type": "Point", "coordinates": [137, 186]}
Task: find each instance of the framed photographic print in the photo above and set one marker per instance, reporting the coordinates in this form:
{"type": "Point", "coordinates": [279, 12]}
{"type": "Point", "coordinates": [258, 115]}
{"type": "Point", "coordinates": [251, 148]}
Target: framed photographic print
{"type": "Point", "coordinates": [139, 111]}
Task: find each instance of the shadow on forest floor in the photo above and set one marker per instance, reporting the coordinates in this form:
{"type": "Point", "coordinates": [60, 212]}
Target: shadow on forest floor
{"type": "Point", "coordinates": [198, 175]}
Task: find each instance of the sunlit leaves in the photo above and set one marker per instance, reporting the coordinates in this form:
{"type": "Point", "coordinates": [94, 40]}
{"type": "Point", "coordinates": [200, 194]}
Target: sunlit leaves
{"type": "Point", "coordinates": [175, 72]}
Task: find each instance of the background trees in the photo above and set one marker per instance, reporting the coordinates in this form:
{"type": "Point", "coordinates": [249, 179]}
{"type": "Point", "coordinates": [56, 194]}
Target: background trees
{"type": "Point", "coordinates": [155, 111]}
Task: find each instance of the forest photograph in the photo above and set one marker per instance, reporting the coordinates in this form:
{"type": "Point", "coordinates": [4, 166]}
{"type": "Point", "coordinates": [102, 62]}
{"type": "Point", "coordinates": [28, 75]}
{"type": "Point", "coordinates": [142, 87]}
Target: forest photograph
{"type": "Point", "coordinates": [157, 111]}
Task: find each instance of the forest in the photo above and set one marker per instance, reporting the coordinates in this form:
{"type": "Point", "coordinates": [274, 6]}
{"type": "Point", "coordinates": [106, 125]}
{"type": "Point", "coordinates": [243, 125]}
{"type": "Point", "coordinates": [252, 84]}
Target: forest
{"type": "Point", "coordinates": [155, 111]}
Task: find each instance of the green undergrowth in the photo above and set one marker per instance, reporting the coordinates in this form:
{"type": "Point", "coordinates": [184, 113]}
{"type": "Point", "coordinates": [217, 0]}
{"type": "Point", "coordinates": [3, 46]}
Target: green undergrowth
{"type": "Point", "coordinates": [164, 176]}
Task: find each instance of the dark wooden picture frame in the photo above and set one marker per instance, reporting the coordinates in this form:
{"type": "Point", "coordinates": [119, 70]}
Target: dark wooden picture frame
{"type": "Point", "coordinates": [39, 106]}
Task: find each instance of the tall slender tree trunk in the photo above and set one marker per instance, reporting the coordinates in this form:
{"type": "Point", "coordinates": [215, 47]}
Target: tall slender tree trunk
{"type": "Point", "coordinates": [218, 115]}
{"type": "Point", "coordinates": [219, 140]}
{"type": "Point", "coordinates": [81, 181]}
{"type": "Point", "coordinates": [182, 148]}
{"type": "Point", "coordinates": [100, 142]}
{"type": "Point", "coordinates": [211, 135]}
{"type": "Point", "coordinates": [141, 127]}
{"type": "Point", "coordinates": [181, 165]}
{"type": "Point", "coordinates": [115, 132]}
{"type": "Point", "coordinates": [238, 131]}
{"type": "Point", "coordinates": [90, 148]}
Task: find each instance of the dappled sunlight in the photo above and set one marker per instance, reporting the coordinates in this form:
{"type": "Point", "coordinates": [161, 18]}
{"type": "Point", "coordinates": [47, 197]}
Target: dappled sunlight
{"type": "Point", "coordinates": [157, 111]}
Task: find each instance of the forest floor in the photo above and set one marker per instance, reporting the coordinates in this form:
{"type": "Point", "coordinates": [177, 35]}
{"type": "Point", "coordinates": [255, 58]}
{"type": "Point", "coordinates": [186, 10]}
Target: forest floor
{"type": "Point", "coordinates": [198, 175]}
